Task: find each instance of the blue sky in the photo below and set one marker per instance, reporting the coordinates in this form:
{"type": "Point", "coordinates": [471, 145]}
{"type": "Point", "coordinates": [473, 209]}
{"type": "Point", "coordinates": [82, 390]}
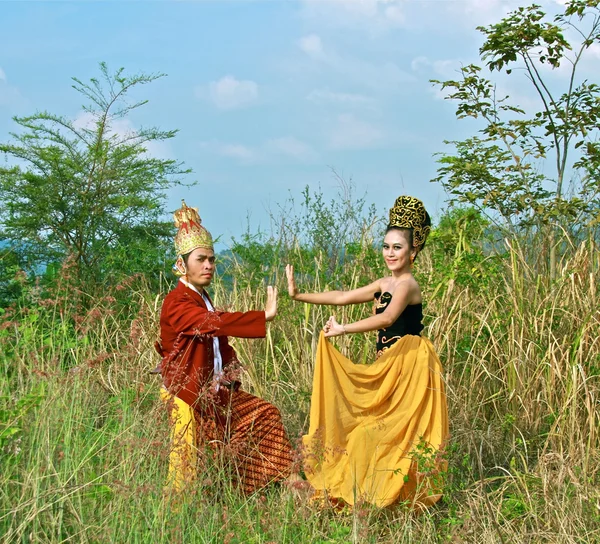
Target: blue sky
{"type": "Point", "coordinates": [268, 96]}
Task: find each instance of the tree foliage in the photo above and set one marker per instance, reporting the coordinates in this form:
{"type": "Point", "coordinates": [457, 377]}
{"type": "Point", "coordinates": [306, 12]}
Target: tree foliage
{"type": "Point", "coordinates": [88, 189]}
{"type": "Point", "coordinates": [501, 168]}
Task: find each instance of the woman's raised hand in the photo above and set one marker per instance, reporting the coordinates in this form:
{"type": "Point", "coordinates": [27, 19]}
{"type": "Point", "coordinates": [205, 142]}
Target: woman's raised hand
{"type": "Point", "coordinates": [289, 272]}
{"type": "Point", "coordinates": [333, 328]}
{"type": "Point", "coordinates": [271, 306]}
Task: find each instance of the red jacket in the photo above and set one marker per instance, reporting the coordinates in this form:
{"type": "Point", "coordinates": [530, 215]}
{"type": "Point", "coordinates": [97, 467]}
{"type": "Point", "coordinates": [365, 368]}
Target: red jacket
{"type": "Point", "coordinates": [186, 331]}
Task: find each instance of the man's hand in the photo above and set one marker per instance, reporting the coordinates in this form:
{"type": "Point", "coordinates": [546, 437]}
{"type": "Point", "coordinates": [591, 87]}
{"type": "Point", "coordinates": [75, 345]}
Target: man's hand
{"type": "Point", "coordinates": [271, 306]}
{"type": "Point", "coordinates": [333, 328]}
{"type": "Point", "coordinates": [292, 289]}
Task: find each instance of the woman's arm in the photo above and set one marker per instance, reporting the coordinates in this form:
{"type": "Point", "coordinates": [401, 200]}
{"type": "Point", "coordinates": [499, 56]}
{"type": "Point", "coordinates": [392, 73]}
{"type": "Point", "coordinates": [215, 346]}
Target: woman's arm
{"type": "Point", "coordinates": [335, 298]}
{"type": "Point", "coordinates": [404, 293]}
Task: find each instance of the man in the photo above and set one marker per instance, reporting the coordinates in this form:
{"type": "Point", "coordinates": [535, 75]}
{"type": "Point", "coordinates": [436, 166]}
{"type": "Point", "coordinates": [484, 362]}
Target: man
{"type": "Point", "coordinates": [199, 373]}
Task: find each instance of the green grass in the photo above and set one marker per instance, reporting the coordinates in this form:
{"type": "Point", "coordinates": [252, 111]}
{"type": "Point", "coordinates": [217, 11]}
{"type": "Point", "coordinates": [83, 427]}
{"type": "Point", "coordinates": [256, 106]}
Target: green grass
{"type": "Point", "coordinates": [84, 437]}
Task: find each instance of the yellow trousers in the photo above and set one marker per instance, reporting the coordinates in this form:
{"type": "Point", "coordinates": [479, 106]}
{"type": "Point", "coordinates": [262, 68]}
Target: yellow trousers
{"type": "Point", "coordinates": [183, 454]}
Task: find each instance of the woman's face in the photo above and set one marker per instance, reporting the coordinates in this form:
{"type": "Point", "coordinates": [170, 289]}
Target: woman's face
{"type": "Point", "coordinates": [397, 250]}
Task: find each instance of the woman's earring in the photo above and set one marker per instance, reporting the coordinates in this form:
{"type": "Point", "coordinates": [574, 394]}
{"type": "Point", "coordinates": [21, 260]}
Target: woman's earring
{"type": "Point", "coordinates": [412, 259]}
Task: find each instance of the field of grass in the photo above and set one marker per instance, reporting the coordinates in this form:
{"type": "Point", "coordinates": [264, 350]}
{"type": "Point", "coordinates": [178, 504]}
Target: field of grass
{"type": "Point", "coordinates": [84, 437]}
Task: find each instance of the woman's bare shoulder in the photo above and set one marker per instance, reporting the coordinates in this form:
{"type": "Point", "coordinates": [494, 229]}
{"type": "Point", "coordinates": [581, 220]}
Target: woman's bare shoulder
{"type": "Point", "coordinates": [409, 286]}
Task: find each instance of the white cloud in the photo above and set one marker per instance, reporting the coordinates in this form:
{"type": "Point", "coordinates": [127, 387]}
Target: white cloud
{"type": "Point", "coordinates": [291, 147]}
{"type": "Point", "coordinates": [587, 67]}
{"type": "Point", "coordinates": [384, 76]}
{"type": "Point", "coordinates": [482, 12]}
{"type": "Point", "coordinates": [394, 15]}
{"type": "Point", "coordinates": [594, 50]}
{"type": "Point", "coordinates": [449, 68]}
{"type": "Point", "coordinates": [159, 150]}
{"type": "Point", "coordinates": [327, 97]}
{"type": "Point", "coordinates": [10, 96]}
{"type": "Point", "coordinates": [311, 45]}
{"type": "Point", "coordinates": [438, 93]}
{"type": "Point", "coordinates": [230, 93]}
{"type": "Point", "coordinates": [85, 120]}
{"type": "Point", "coordinates": [123, 129]}
{"type": "Point", "coordinates": [120, 129]}
{"type": "Point", "coordinates": [419, 62]}
{"type": "Point", "coordinates": [446, 68]}
{"type": "Point", "coordinates": [237, 151]}
{"type": "Point", "coordinates": [472, 13]}
{"type": "Point", "coordinates": [352, 133]}
{"type": "Point", "coordinates": [374, 16]}
{"type": "Point", "coordinates": [269, 151]}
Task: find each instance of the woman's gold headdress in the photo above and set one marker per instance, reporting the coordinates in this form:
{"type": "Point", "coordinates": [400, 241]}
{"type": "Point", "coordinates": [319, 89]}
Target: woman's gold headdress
{"type": "Point", "coordinates": [190, 234]}
{"type": "Point", "coordinates": [409, 212]}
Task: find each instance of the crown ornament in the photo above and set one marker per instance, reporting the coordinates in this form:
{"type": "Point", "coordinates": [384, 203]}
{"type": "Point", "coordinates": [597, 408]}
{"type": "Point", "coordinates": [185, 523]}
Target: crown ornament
{"type": "Point", "coordinates": [190, 232]}
{"type": "Point", "coordinates": [409, 212]}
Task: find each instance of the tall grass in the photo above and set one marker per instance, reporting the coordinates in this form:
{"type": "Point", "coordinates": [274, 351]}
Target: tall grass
{"type": "Point", "coordinates": [85, 438]}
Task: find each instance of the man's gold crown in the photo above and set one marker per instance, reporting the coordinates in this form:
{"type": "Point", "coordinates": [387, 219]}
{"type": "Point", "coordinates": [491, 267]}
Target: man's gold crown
{"type": "Point", "coordinates": [190, 234]}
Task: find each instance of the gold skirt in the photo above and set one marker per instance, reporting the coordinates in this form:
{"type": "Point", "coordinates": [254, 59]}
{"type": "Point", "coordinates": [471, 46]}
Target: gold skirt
{"type": "Point", "coordinates": [377, 432]}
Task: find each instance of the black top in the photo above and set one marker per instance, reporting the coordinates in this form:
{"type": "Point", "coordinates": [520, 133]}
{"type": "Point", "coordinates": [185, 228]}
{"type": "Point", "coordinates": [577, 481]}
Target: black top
{"type": "Point", "coordinates": [408, 322]}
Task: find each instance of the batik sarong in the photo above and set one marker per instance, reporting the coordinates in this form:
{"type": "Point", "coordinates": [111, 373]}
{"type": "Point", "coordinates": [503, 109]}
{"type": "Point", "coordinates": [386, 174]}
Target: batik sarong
{"type": "Point", "coordinates": [244, 432]}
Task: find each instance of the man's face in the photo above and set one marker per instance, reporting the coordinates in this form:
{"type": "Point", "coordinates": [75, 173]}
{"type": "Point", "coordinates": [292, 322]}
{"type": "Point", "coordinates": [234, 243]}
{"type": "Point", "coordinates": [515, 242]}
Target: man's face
{"type": "Point", "coordinates": [201, 267]}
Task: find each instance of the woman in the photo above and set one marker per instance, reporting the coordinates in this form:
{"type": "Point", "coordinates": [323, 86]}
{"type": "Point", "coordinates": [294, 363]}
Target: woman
{"type": "Point", "coordinates": [377, 431]}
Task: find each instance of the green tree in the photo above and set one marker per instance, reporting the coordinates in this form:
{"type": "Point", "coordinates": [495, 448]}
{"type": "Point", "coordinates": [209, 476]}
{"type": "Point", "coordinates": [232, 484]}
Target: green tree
{"type": "Point", "coordinates": [461, 248]}
{"type": "Point", "coordinates": [88, 190]}
{"type": "Point", "coordinates": [500, 168]}
{"type": "Point", "coordinates": [12, 276]}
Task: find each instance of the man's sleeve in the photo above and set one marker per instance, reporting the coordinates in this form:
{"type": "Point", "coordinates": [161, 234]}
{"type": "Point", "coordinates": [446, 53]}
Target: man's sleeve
{"type": "Point", "coordinates": [187, 317]}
